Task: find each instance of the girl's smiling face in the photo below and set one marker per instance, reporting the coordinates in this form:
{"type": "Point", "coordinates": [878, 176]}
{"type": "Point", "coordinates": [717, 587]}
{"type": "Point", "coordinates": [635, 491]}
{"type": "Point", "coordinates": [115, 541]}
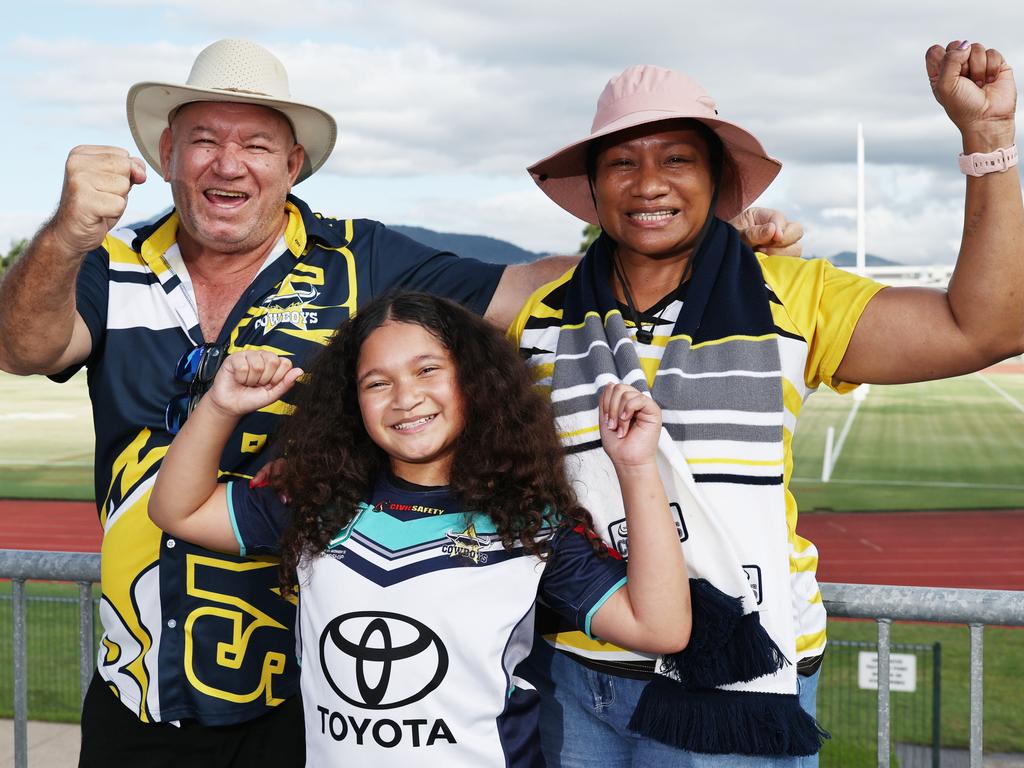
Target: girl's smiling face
{"type": "Point", "coordinates": [410, 400]}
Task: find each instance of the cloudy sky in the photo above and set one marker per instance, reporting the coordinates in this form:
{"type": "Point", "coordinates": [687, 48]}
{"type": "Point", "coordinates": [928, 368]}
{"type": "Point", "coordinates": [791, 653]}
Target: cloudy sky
{"type": "Point", "coordinates": [443, 103]}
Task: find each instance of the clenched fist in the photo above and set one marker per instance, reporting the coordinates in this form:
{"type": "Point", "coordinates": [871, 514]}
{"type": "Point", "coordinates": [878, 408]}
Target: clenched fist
{"type": "Point", "coordinates": [96, 184]}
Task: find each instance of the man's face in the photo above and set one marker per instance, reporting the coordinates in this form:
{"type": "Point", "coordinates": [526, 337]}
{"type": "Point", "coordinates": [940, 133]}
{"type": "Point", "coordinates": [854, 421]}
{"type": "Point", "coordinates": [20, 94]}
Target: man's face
{"type": "Point", "coordinates": [230, 167]}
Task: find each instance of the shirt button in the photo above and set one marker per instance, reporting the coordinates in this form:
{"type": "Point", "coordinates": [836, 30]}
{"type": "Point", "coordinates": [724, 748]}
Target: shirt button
{"type": "Point", "coordinates": [171, 623]}
{"type": "Point", "coordinates": [170, 543]}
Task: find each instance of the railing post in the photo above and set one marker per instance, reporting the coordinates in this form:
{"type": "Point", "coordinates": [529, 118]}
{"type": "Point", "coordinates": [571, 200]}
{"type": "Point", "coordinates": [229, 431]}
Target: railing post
{"type": "Point", "coordinates": [86, 637]}
{"type": "Point", "coordinates": [977, 670]}
{"type": "Point", "coordinates": [936, 704]}
{"type": "Point", "coordinates": [20, 674]}
{"type": "Point", "coordinates": [884, 629]}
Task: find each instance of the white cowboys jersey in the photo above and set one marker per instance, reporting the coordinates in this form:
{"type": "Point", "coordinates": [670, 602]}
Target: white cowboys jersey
{"type": "Point", "coordinates": [412, 623]}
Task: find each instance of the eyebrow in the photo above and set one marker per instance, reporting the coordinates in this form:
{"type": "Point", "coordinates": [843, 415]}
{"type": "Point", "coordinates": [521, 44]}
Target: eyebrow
{"type": "Point", "coordinates": [413, 361]}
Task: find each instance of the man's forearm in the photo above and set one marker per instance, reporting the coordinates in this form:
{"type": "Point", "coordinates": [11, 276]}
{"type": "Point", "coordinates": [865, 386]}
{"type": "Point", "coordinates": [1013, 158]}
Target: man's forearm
{"type": "Point", "coordinates": [37, 306]}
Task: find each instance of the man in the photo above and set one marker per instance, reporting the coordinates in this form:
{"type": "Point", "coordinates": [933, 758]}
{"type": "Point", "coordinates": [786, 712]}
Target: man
{"type": "Point", "coordinates": [197, 655]}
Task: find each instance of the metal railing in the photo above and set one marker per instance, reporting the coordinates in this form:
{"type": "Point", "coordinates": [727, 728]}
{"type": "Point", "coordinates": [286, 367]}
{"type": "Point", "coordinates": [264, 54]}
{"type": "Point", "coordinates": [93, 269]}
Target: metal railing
{"type": "Point", "coordinates": [973, 607]}
{"type": "Point", "coordinates": [20, 566]}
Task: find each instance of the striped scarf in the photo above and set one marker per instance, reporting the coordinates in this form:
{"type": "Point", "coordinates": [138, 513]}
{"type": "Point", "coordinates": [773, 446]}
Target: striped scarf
{"type": "Point", "coordinates": [733, 689]}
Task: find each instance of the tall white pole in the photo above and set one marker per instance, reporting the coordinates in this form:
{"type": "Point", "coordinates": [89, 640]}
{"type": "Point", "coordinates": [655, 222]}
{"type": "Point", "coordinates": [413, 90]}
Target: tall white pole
{"type": "Point", "coordinates": [861, 258]}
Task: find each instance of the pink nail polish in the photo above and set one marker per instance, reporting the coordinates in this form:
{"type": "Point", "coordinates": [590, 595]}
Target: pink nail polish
{"type": "Point", "coordinates": [965, 44]}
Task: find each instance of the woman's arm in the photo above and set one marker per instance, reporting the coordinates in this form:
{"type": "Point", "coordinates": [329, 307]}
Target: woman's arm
{"type": "Point", "coordinates": [914, 334]}
{"type": "Point", "coordinates": [652, 612]}
{"type": "Point", "coordinates": [187, 501]}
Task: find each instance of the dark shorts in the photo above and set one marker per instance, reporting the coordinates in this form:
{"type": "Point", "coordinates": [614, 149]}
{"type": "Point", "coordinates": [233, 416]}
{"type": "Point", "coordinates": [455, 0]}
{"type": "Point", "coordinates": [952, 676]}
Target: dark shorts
{"type": "Point", "coordinates": [112, 735]}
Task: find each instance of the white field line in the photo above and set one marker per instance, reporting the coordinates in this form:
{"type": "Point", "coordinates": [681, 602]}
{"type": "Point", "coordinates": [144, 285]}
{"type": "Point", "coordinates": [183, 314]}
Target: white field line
{"type": "Point", "coordinates": [43, 463]}
{"type": "Point", "coordinates": [916, 483]}
{"type": "Point", "coordinates": [842, 437]}
{"type": "Point", "coordinates": [1006, 395]}
{"type": "Point", "coordinates": [35, 416]}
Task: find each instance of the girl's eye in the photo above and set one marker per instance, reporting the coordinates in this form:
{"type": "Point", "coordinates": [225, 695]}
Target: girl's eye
{"type": "Point", "coordinates": [429, 369]}
{"type": "Point", "coordinates": [376, 384]}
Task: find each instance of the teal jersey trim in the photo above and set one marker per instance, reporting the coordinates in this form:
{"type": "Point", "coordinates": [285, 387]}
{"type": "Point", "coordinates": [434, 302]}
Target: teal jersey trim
{"type": "Point", "coordinates": [396, 535]}
{"type": "Point", "coordinates": [597, 606]}
{"type": "Point", "coordinates": [234, 523]}
{"type": "Point", "coordinates": [345, 532]}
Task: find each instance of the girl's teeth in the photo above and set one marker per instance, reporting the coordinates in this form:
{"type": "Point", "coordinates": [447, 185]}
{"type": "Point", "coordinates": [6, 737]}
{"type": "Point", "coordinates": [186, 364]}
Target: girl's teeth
{"type": "Point", "coordinates": [410, 424]}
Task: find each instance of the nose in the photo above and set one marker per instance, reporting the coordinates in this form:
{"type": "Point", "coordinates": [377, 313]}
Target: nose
{"type": "Point", "coordinates": [650, 180]}
{"type": "Point", "coordinates": [228, 162]}
{"type": "Point", "coordinates": [406, 395]}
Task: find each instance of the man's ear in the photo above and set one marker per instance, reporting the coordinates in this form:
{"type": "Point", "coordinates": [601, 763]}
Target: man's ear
{"type": "Point", "coordinates": [296, 157]}
{"type": "Point", "coordinates": [165, 153]}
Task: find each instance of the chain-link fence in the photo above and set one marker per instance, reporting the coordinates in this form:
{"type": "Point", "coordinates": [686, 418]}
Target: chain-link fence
{"type": "Point", "coordinates": [52, 613]}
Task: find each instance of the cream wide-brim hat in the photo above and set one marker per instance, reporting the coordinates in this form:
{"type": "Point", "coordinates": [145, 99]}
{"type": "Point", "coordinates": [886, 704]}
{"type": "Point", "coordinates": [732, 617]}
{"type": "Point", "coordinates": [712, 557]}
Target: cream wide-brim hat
{"type": "Point", "coordinates": [645, 94]}
{"type": "Point", "coordinates": [237, 71]}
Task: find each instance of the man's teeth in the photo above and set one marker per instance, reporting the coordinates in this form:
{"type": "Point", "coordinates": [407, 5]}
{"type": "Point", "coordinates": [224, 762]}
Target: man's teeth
{"type": "Point", "coordinates": [224, 193]}
{"type": "Point", "coordinates": [411, 424]}
{"type": "Point", "coordinates": [653, 216]}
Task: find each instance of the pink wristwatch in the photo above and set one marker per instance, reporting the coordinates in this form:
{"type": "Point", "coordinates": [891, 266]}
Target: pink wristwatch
{"type": "Point", "coordinates": [980, 163]}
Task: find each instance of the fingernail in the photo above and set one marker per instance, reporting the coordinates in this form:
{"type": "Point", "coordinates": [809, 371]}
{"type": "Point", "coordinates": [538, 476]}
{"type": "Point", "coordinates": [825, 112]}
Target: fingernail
{"type": "Point", "coordinates": [964, 44]}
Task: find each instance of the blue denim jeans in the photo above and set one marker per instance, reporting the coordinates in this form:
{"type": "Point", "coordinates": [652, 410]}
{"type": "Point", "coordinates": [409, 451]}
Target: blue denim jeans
{"type": "Point", "coordinates": [584, 715]}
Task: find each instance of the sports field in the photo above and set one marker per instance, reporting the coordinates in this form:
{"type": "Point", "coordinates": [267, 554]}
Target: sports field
{"type": "Point", "coordinates": [956, 444]}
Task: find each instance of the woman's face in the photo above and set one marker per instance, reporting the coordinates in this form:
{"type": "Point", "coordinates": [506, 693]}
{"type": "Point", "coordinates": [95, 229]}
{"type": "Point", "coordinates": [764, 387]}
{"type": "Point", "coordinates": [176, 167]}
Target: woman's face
{"type": "Point", "coordinates": [410, 400]}
{"type": "Point", "coordinates": [653, 191]}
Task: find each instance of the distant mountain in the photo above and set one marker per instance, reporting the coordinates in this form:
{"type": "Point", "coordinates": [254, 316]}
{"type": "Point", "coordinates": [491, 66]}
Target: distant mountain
{"type": "Point", "coordinates": [488, 249]}
{"type": "Point", "coordinates": [849, 259]}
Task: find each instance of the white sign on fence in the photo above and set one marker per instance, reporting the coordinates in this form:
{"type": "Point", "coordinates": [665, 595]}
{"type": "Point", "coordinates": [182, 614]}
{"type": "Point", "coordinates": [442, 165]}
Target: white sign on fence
{"type": "Point", "coordinates": [902, 671]}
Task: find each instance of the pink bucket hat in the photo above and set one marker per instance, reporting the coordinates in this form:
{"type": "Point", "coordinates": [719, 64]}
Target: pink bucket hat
{"type": "Point", "coordinates": [647, 94]}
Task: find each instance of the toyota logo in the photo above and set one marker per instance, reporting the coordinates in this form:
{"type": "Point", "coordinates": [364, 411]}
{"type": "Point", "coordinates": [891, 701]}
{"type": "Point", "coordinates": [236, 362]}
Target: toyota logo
{"type": "Point", "coordinates": [378, 660]}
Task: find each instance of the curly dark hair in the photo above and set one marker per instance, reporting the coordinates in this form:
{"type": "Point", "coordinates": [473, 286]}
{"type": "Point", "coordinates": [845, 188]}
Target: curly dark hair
{"type": "Point", "coordinates": [508, 462]}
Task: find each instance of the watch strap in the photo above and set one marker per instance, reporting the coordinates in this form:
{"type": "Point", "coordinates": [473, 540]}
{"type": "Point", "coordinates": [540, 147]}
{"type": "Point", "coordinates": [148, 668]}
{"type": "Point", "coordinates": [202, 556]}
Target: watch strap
{"type": "Point", "coordinates": [980, 163]}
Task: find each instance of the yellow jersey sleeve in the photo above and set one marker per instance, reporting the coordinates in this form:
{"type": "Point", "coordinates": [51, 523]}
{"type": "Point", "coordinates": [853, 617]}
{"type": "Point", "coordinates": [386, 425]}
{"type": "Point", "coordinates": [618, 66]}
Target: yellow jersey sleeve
{"type": "Point", "coordinates": [822, 304]}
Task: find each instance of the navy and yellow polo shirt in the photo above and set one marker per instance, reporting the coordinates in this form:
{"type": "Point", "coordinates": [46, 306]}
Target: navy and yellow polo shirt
{"type": "Point", "coordinates": [189, 633]}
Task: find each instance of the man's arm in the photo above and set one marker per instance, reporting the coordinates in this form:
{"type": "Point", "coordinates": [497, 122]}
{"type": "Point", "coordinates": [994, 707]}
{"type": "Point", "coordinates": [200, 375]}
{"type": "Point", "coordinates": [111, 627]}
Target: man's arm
{"type": "Point", "coordinates": [762, 228]}
{"type": "Point", "coordinates": [914, 334]}
{"type": "Point", "coordinates": [40, 328]}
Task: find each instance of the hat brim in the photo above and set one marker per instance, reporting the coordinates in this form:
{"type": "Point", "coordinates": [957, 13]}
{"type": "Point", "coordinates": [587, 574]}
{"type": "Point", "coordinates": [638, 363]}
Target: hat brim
{"type": "Point", "coordinates": [151, 104]}
{"type": "Point", "coordinates": [748, 172]}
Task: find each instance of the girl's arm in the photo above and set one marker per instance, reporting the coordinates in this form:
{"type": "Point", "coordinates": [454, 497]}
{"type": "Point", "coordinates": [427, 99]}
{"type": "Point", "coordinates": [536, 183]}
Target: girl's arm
{"type": "Point", "coordinates": [187, 501]}
{"type": "Point", "coordinates": [651, 612]}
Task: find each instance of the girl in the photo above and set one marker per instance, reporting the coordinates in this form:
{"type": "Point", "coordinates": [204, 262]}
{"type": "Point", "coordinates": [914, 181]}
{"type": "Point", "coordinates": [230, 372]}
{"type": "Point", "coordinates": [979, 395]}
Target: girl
{"type": "Point", "coordinates": [423, 527]}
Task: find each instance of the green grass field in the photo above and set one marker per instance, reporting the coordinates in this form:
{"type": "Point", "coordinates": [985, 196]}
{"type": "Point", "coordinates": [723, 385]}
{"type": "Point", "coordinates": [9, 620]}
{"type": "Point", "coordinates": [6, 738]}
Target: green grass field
{"type": "Point", "coordinates": [956, 444]}
{"type": "Point", "coordinates": [46, 448]}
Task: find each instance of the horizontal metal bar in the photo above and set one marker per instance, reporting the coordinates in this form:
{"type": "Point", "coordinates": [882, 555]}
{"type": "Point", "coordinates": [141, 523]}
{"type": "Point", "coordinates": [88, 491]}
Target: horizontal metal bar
{"type": "Point", "coordinates": [59, 566]}
{"type": "Point", "coordinates": [963, 606]}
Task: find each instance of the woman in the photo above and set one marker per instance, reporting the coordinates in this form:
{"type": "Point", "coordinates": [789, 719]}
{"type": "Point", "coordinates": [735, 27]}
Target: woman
{"type": "Point", "coordinates": [730, 343]}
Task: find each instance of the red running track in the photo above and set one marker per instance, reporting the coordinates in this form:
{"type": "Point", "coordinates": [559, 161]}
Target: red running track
{"type": "Point", "coordinates": [980, 549]}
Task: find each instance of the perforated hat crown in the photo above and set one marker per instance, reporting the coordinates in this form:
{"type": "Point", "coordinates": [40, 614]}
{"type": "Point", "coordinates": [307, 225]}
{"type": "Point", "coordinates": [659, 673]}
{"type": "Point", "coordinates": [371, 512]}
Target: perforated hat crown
{"type": "Point", "coordinates": [238, 71]}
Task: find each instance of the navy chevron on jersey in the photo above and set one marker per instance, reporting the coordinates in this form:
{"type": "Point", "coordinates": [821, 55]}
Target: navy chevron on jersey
{"type": "Point", "coordinates": [190, 633]}
{"type": "Point", "coordinates": [412, 623]}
